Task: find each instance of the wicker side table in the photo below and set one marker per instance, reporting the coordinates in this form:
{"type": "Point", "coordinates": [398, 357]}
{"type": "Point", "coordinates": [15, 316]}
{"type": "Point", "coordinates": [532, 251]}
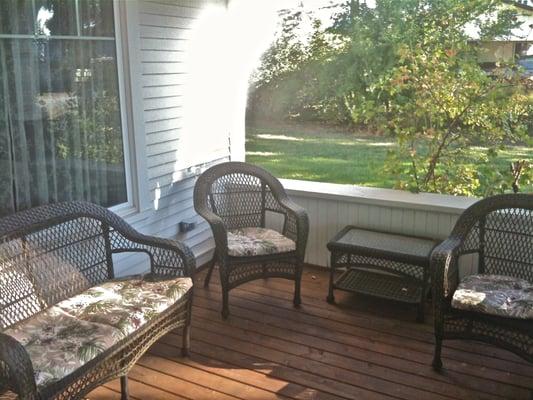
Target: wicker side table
{"type": "Point", "coordinates": [381, 264]}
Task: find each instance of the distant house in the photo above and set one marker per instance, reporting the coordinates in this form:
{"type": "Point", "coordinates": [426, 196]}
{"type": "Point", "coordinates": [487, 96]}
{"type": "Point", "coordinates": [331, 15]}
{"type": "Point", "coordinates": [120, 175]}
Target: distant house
{"type": "Point", "coordinates": [517, 45]}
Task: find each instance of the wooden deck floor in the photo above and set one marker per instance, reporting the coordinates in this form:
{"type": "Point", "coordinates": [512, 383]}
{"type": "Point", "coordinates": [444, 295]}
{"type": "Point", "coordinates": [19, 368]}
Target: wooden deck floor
{"type": "Point", "coordinates": [360, 348]}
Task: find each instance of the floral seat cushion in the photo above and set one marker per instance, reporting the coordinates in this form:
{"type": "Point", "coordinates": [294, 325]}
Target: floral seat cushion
{"type": "Point", "coordinates": [58, 343]}
{"type": "Point", "coordinates": [257, 242]}
{"type": "Point", "coordinates": [66, 336]}
{"type": "Point", "coordinates": [499, 295]}
{"type": "Point", "coordinates": [126, 304]}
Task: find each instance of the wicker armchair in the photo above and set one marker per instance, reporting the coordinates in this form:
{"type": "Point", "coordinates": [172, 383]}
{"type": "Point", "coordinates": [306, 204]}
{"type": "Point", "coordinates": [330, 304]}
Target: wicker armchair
{"type": "Point", "coordinates": [496, 304]}
{"type": "Point", "coordinates": [235, 198]}
{"type": "Point", "coordinates": [59, 256]}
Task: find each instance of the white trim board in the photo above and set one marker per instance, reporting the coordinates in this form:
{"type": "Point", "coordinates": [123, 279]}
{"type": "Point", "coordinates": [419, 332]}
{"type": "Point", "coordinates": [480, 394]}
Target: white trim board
{"type": "Point", "coordinates": [379, 197]}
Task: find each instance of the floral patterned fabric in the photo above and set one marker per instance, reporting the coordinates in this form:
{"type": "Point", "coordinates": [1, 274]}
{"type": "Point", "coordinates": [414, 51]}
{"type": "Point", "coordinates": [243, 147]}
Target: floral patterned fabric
{"type": "Point", "coordinates": [257, 241]}
{"type": "Point", "coordinates": [504, 296]}
{"type": "Point", "coordinates": [64, 337]}
{"type": "Point", "coordinates": [58, 343]}
{"type": "Point", "coordinates": [126, 304]}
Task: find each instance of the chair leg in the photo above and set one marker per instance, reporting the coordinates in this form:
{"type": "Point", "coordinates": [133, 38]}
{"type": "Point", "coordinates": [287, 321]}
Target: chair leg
{"type": "Point", "coordinates": [209, 272]}
{"type": "Point", "coordinates": [225, 303]}
{"type": "Point", "coordinates": [297, 286]}
{"type": "Point", "coordinates": [420, 312]}
{"type": "Point", "coordinates": [331, 297]}
{"type": "Point", "coordinates": [125, 395]}
{"type": "Point", "coordinates": [225, 291]}
{"type": "Point", "coordinates": [437, 361]}
{"type": "Point", "coordinates": [186, 335]}
{"type": "Point", "coordinates": [186, 340]}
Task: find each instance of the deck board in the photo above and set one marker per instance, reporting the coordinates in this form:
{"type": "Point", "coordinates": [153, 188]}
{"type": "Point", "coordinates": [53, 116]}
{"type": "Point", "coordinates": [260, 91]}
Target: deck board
{"type": "Point", "coordinates": [359, 348]}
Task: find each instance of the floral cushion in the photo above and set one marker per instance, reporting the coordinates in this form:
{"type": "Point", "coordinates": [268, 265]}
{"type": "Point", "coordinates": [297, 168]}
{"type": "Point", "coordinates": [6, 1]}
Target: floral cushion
{"type": "Point", "coordinates": [64, 337]}
{"type": "Point", "coordinates": [257, 242]}
{"type": "Point", "coordinates": [126, 304]}
{"type": "Point", "coordinates": [58, 343]}
{"type": "Point", "coordinates": [504, 296]}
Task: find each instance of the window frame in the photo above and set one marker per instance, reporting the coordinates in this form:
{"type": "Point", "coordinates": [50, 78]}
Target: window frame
{"type": "Point", "coordinates": [129, 206]}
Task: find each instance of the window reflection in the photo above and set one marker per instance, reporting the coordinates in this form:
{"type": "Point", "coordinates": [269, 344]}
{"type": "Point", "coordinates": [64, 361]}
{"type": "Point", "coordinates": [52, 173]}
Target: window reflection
{"type": "Point", "coordinates": [60, 127]}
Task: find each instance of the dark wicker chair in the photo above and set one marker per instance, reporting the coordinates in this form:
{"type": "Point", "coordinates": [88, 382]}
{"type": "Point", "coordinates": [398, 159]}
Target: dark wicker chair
{"type": "Point", "coordinates": [236, 195]}
{"type": "Point", "coordinates": [499, 231]}
{"type": "Point", "coordinates": [49, 254]}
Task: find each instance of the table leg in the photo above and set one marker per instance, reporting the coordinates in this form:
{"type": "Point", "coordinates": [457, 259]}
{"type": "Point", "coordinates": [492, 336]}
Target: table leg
{"type": "Point", "coordinates": [331, 298]}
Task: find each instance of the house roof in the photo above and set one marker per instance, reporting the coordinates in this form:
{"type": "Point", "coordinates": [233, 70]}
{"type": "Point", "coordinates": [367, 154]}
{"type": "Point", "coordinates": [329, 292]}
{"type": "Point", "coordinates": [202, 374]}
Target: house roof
{"type": "Point", "coordinates": [522, 4]}
{"type": "Point", "coordinates": [524, 33]}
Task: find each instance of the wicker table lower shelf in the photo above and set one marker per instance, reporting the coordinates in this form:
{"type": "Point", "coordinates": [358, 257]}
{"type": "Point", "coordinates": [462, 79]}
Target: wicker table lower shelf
{"type": "Point", "coordinates": [381, 264]}
{"type": "Point", "coordinates": [378, 284]}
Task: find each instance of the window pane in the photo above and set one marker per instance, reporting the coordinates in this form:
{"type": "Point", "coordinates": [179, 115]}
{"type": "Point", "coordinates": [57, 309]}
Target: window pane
{"type": "Point", "coordinates": [62, 104]}
{"type": "Point", "coordinates": [55, 17]}
{"type": "Point", "coordinates": [96, 18]}
{"type": "Point", "coordinates": [16, 17]}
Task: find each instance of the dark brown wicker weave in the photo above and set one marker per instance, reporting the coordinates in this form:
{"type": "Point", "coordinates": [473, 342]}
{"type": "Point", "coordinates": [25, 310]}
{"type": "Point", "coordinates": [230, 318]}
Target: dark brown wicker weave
{"type": "Point", "coordinates": [78, 236]}
{"type": "Point", "coordinates": [499, 230]}
{"type": "Point", "coordinates": [235, 195]}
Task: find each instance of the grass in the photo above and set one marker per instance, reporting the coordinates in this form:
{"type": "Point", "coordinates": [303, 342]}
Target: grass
{"type": "Point", "coordinates": [337, 157]}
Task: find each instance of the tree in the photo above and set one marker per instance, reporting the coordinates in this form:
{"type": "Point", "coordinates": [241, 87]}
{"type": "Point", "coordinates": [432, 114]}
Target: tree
{"type": "Point", "coordinates": [407, 68]}
{"type": "Point", "coordinates": [439, 103]}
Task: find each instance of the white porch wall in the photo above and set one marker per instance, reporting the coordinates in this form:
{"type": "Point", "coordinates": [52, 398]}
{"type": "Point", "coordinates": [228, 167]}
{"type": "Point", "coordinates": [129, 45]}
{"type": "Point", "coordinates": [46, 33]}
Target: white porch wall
{"type": "Point", "coordinates": [331, 207]}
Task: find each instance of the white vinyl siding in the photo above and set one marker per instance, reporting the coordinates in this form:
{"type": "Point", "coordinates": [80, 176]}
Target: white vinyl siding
{"type": "Point", "coordinates": [163, 31]}
{"type": "Point", "coordinates": [394, 211]}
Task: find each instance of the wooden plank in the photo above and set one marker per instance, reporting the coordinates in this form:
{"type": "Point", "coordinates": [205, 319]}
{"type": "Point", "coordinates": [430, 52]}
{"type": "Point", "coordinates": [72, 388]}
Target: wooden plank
{"type": "Point", "coordinates": [103, 393]}
{"type": "Point", "coordinates": [283, 370]}
{"type": "Point", "coordinates": [241, 368]}
{"type": "Point", "coordinates": [179, 379]}
{"type": "Point", "coordinates": [168, 358]}
{"type": "Point", "coordinates": [143, 390]}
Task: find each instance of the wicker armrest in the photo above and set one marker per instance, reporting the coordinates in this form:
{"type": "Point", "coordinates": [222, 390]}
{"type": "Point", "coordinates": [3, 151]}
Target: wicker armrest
{"type": "Point", "coordinates": [16, 368]}
{"type": "Point", "coordinates": [444, 267]}
{"type": "Point", "coordinates": [167, 257]}
{"type": "Point", "coordinates": [220, 233]}
{"type": "Point", "coordinates": [297, 225]}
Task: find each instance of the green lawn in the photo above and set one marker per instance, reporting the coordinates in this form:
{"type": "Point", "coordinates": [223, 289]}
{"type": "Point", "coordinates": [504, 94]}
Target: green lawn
{"type": "Point", "coordinates": [327, 156]}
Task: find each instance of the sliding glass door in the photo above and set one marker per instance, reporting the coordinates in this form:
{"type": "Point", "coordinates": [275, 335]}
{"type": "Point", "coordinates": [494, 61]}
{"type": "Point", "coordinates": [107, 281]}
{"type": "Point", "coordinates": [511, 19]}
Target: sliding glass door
{"type": "Point", "coordinates": [60, 128]}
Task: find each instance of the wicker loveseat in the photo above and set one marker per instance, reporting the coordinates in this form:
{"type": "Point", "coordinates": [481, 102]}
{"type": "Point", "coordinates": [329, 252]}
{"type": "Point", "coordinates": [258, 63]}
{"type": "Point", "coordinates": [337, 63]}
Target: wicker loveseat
{"type": "Point", "coordinates": [495, 303]}
{"type": "Point", "coordinates": [67, 324]}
